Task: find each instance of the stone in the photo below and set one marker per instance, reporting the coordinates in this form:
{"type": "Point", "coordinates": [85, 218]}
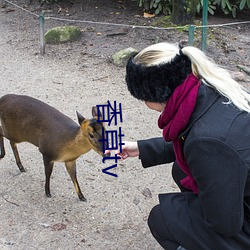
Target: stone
{"type": "Point", "coordinates": [2, 3]}
{"type": "Point", "coordinates": [63, 34]}
{"type": "Point", "coordinates": [239, 76]}
{"type": "Point", "coordinates": [121, 58]}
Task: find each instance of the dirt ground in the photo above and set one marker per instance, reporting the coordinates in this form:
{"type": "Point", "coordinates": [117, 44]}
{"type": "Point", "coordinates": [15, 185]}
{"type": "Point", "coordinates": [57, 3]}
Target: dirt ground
{"type": "Point", "coordinates": [77, 76]}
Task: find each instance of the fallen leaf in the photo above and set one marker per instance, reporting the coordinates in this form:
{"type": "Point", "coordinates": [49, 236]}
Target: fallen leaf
{"type": "Point", "coordinates": [147, 15]}
{"type": "Point", "coordinates": [58, 227]}
{"type": "Point", "coordinates": [147, 193]}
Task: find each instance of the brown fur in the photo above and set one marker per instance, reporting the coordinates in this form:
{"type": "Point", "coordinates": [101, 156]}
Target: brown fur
{"type": "Point", "coordinates": [59, 138]}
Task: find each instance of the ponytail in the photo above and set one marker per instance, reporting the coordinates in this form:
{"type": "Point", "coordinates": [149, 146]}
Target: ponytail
{"type": "Point", "coordinates": [218, 78]}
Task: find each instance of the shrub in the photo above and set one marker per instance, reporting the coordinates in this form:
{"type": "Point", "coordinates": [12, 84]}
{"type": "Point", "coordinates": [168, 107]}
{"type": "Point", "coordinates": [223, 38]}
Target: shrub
{"type": "Point", "coordinates": [157, 6]}
{"type": "Point", "coordinates": [165, 6]}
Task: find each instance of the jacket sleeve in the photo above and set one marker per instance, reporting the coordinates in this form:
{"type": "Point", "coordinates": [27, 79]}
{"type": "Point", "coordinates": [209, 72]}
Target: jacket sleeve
{"type": "Point", "coordinates": [155, 151]}
{"type": "Point", "coordinates": [220, 173]}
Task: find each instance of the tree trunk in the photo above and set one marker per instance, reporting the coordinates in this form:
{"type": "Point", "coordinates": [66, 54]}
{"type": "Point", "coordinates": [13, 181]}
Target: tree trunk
{"type": "Point", "coordinates": [183, 11]}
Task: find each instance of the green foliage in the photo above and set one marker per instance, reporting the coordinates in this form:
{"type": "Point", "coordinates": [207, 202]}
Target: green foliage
{"type": "Point", "coordinates": [244, 4]}
{"type": "Point", "coordinates": [157, 6]}
{"type": "Point", "coordinates": [165, 6]}
{"type": "Point", "coordinates": [211, 7]}
{"type": "Point", "coordinates": [226, 6]}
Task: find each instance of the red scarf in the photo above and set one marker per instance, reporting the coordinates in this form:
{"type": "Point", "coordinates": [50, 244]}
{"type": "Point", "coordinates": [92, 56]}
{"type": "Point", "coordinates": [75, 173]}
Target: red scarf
{"type": "Point", "coordinates": [174, 119]}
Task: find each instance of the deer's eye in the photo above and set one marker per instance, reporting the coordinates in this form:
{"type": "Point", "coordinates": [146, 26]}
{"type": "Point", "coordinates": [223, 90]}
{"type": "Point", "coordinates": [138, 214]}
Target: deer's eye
{"type": "Point", "coordinates": [91, 136]}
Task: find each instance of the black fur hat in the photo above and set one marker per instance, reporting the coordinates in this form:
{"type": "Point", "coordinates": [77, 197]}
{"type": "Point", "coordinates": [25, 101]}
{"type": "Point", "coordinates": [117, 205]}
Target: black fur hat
{"type": "Point", "coordinates": [156, 83]}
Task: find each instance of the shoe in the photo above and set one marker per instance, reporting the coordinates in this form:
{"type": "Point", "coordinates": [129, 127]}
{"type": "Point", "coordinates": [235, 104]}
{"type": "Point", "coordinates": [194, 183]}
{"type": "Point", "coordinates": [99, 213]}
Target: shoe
{"type": "Point", "coordinates": [181, 248]}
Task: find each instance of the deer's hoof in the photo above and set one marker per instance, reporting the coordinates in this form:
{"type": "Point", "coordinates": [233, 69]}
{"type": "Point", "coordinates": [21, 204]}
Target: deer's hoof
{"type": "Point", "coordinates": [82, 198]}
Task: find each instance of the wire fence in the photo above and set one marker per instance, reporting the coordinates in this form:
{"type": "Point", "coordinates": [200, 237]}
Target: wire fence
{"type": "Point", "coordinates": [191, 28]}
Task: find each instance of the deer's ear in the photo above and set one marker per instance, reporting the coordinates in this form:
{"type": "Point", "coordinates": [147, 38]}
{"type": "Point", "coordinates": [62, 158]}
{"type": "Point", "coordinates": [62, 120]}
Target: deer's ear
{"type": "Point", "coordinates": [80, 118]}
{"type": "Point", "coordinates": [95, 113]}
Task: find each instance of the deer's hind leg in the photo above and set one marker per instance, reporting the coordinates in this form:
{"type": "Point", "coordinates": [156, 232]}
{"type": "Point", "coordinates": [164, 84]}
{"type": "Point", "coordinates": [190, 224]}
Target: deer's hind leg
{"type": "Point", "coordinates": [18, 161]}
{"type": "Point", "coordinates": [71, 168]}
{"type": "Point", "coordinates": [1, 144]}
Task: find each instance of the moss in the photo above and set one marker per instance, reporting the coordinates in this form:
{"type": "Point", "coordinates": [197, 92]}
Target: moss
{"type": "Point", "coordinates": [63, 34]}
{"type": "Point", "coordinates": [121, 57]}
{"type": "Point", "coordinates": [163, 22]}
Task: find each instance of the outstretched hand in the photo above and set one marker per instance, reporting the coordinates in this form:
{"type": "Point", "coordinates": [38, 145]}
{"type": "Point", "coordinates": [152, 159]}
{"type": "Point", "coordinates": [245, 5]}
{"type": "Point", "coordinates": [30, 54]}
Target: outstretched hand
{"type": "Point", "coordinates": [129, 149]}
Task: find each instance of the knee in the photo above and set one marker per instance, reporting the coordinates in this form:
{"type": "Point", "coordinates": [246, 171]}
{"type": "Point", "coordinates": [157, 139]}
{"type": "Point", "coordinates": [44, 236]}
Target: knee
{"type": "Point", "coordinates": [159, 229]}
{"type": "Point", "coordinates": [154, 218]}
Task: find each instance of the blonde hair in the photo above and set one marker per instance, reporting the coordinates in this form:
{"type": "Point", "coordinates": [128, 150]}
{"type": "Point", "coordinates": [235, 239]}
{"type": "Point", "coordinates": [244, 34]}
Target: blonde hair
{"type": "Point", "coordinates": [202, 67]}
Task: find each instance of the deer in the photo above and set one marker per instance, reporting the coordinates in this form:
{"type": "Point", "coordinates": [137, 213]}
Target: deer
{"type": "Point", "coordinates": [58, 138]}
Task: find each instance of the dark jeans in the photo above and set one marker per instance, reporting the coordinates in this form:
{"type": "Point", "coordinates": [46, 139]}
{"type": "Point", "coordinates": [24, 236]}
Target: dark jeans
{"type": "Point", "coordinates": [156, 222]}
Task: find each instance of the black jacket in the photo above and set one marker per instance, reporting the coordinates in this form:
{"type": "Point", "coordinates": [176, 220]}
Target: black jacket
{"type": "Point", "coordinates": [216, 145]}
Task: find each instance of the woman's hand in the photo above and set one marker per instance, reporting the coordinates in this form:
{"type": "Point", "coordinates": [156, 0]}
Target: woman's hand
{"type": "Point", "coordinates": [129, 149]}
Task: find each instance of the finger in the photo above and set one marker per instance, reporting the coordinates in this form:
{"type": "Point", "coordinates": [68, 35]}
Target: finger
{"type": "Point", "coordinates": [107, 151]}
{"type": "Point", "coordinates": [117, 152]}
